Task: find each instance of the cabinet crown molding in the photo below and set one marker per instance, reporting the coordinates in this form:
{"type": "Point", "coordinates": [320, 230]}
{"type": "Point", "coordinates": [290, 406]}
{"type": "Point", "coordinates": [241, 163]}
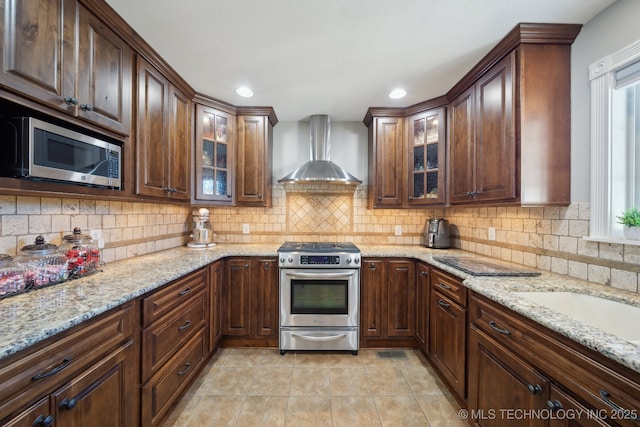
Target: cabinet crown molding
{"type": "Point", "coordinates": [523, 33]}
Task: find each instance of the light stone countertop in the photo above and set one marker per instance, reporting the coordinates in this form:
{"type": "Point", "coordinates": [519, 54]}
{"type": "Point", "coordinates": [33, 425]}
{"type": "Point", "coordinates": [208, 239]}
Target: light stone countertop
{"type": "Point", "coordinates": [32, 317]}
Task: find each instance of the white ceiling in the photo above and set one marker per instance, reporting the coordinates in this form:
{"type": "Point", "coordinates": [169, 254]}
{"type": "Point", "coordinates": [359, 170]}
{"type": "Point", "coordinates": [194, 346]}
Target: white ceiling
{"type": "Point", "coordinates": [336, 57]}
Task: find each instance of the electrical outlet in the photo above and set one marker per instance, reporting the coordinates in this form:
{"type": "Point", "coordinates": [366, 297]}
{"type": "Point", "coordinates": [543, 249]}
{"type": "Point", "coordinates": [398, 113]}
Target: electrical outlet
{"type": "Point", "coordinates": [398, 230]}
{"type": "Point", "coordinates": [245, 228]}
{"type": "Point", "coordinates": [491, 232]}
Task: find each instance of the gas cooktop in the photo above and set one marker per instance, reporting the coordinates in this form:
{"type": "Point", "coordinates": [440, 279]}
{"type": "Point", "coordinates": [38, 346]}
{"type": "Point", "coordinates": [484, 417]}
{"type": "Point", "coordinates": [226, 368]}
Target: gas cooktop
{"type": "Point", "coordinates": [319, 247]}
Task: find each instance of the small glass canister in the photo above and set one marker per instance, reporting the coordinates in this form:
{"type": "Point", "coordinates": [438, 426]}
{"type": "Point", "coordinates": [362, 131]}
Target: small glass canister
{"type": "Point", "coordinates": [12, 277]}
{"type": "Point", "coordinates": [44, 263]}
{"type": "Point", "coordinates": [82, 254]}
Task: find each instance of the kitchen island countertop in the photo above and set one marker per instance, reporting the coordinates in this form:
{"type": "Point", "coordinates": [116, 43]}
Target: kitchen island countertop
{"type": "Point", "coordinates": [32, 317]}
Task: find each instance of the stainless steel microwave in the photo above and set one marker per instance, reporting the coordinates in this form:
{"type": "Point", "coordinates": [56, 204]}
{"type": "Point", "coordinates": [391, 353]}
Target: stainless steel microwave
{"type": "Point", "coordinates": [35, 149]}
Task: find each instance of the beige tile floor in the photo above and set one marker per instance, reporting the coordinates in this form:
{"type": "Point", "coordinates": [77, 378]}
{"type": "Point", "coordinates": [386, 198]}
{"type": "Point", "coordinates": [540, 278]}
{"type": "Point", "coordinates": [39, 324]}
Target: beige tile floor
{"type": "Point", "coordinates": [259, 387]}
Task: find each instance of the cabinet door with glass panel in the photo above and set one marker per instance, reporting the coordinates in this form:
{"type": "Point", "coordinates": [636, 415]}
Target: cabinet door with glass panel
{"type": "Point", "coordinates": [426, 158]}
{"type": "Point", "coordinates": [214, 155]}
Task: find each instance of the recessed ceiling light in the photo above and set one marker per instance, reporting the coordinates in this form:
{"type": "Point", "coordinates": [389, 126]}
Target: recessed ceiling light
{"type": "Point", "coordinates": [397, 93]}
{"type": "Point", "coordinates": [245, 92]}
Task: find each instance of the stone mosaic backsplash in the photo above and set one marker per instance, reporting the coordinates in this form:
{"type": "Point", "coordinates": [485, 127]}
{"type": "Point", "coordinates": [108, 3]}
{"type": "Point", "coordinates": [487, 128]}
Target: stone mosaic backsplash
{"type": "Point", "coordinates": [549, 238]}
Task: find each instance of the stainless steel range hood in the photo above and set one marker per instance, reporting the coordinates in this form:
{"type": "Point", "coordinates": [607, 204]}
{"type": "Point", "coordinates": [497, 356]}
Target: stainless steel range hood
{"type": "Point", "coordinates": [320, 168]}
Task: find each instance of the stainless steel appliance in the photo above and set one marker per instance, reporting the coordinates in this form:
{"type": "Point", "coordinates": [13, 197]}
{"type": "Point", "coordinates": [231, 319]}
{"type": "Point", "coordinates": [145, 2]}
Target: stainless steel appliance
{"type": "Point", "coordinates": [202, 232]}
{"type": "Point", "coordinates": [436, 234]}
{"type": "Point", "coordinates": [35, 149]}
{"type": "Point", "coordinates": [319, 296]}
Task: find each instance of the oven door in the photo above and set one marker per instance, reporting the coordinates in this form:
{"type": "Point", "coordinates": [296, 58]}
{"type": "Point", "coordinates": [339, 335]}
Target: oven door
{"type": "Point", "coordinates": [319, 297]}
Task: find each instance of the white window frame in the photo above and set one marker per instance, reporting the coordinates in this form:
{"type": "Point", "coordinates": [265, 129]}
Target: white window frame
{"type": "Point", "coordinates": [602, 77]}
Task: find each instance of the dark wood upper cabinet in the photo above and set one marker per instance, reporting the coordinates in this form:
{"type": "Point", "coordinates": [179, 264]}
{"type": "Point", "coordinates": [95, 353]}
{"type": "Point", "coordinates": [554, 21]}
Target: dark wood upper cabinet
{"type": "Point", "coordinates": [163, 142]}
{"type": "Point", "coordinates": [254, 152]}
{"type": "Point", "coordinates": [510, 119]}
{"type": "Point", "coordinates": [461, 146]}
{"type": "Point", "coordinates": [215, 155]}
{"type": "Point", "coordinates": [58, 54]}
{"type": "Point", "coordinates": [387, 181]}
{"type": "Point", "coordinates": [407, 155]}
{"type": "Point", "coordinates": [482, 145]}
{"type": "Point", "coordinates": [426, 158]}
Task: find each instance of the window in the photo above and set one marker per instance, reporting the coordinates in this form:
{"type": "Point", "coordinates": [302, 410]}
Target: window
{"type": "Point", "coordinates": [615, 141]}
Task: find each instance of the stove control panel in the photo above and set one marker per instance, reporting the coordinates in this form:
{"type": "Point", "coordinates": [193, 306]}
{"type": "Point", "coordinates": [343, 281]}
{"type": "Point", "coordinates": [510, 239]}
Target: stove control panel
{"type": "Point", "coordinates": [289, 260]}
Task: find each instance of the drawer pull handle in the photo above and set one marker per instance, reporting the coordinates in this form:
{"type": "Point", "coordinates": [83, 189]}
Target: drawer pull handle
{"type": "Point", "coordinates": [424, 273]}
{"type": "Point", "coordinates": [185, 326]}
{"type": "Point", "coordinates": [184, 291]}
{"type": "Point", "coordinates": [68, 404]}
{"type": "Point", "coordinates": [554, 406]}
{"type": "Point", "coordinates": [498, 329]}
{"type": "Point", "coordinates": [621, 412]}
{"type": "Point", "coordinates": [534, 388]}
{"type": "Point", "coordinates": [444, 286]}
{"type": "Point", "coordinates": [443, 304]}
{"type": "Point", "coordinates": [65, 362]}
{"type": "Point", "coordinates": [186, 369]}
{"type": "Point", "coordinates": [42, 421]}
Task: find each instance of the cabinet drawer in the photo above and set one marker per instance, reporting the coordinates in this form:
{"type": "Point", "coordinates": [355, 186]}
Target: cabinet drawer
{"type": "Point", "coordinates": [32, 375]}
{"type": "Point", "coordinates": [163, 301]}
{"type": "Point", "coordinates": [450, 286]}
{"type": "Point", "coordinates": [161, 340]}
{"type": "Point", "coordinates": [170, 381]}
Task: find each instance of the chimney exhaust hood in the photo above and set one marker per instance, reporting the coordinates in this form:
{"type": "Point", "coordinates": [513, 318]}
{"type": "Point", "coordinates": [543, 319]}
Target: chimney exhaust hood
{"type": "Point", "coordinates": [320, 168]}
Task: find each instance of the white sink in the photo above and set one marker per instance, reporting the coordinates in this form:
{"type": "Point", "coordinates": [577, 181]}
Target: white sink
{"type": "Point", "coordinates": [617, 318]}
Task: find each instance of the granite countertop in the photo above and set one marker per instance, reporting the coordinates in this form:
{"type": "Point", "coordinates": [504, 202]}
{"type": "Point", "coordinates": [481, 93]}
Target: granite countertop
{"type": "Point", "coordinates": [34, 316]}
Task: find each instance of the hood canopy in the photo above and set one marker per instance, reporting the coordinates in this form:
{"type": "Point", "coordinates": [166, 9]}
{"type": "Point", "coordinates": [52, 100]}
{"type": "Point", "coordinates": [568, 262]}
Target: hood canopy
{"type": "Point", "coordinates": [320, 168]}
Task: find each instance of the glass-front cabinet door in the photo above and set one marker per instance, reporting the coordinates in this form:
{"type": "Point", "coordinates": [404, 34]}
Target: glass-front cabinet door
{"type": "Point", "coordinates": [214, 155]}
{"type": "Point", "coordinates": [426, 158]}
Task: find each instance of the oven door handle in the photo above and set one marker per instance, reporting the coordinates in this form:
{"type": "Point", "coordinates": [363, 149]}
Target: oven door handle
{"type": "Point", "coordinates": [319, 338]}
{"type": "Point", "coordinates": [319, 276]}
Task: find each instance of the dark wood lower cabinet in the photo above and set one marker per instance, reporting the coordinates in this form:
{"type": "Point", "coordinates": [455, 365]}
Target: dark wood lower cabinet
{"type": "Point", "coordinates": [447, 340]}
{"type": "Point", "coordinates": [387, 303]}
{"type": "Point", "coordinates": [566, 411]}
{"type": "Point", "coordinates": [250, 302]}
{"type": "Point", "coordinates": [87, 376]}
{"type": "Point", "coordinates": [216, 282]}
{"type": "Point", "coordinates": [500, 383]}
{"type": "Point", "coordinates": [422, 310]}
{"type": "Point", "coordinates": [515, 364]}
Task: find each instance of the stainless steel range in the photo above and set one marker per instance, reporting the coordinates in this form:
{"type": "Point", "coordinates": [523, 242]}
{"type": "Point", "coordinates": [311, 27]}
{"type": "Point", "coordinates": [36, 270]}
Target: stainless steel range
{"type": "Point", "coordinates": [319, 296]}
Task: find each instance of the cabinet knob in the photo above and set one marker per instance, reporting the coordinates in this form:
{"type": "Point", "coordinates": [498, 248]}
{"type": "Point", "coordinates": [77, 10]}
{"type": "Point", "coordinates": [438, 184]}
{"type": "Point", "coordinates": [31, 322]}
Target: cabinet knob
{"type": "Point", "coordinates": [42, 421]}
{"type": "Point", "coordinates": [534, 388]}
{"type": "Point", "coordinates": [70, 100]}
{"type": "Point", "coordinates": [372, 266]}
{"type": "Point", "coordinates": [68, 404]}
{"type": "Point", "coordinates": [86, 107]}
{"type": "Point", "coordinates": [410, 198]}
{"type": "Point", "coordinates": [379, 198]}
{"type": "Point", "coordinates": [259, 196]}
{"type": "Point", "coordinates": [424, 273]}
{"type": "Point", "coordinates": [554, 406]}
{"type": "Point", "coordinates": [266, 265]}
{"type": "Point", "coordinates": [246, 266]}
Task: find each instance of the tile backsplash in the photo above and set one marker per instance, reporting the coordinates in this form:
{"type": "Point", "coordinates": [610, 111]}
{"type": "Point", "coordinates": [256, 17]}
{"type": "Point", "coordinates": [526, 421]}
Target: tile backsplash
{"type": "Point", "coordinates": [549, 238]}
{"type": "Point", "coordinates": [129, 229]}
